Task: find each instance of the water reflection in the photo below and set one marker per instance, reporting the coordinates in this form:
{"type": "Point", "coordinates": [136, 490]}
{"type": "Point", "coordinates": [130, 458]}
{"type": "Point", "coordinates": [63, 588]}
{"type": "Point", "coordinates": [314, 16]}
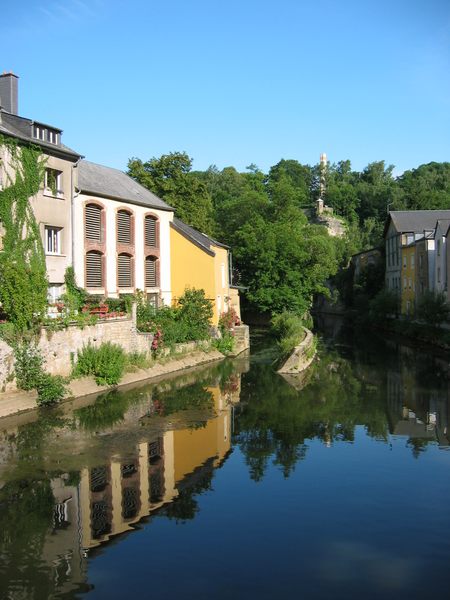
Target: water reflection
{"type": "Point", "coordinates": [75, 479]}
{"type": "Point", "coordinates": [132, 463]}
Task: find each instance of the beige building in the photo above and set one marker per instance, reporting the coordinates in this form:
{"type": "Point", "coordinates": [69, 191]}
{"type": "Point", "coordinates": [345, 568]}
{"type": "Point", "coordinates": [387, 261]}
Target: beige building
{"type": "Point", "coordinates": [52, 205]}
{"type": "Point", "coordinates": [122, 235]}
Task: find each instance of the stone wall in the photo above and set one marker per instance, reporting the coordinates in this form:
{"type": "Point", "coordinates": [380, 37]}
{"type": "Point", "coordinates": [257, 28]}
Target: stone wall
{"type": "Point", "coordinates": [301, 356]}
{"type": "Point", "coordinates": [241, 339]}
{"type": "Point", "coordinates": [60, 347]}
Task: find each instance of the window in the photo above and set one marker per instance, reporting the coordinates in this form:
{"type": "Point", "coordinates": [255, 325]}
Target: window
{"type": "Point", "coordinates": [53, 240]}
{"type": "Point", "coordinates": [124, 271]}
{"type": "Point", "coordinates": [124, 227]}
{"type": "Point", "coordinates": [439, 274]}
{"type": "Point", "coordinates": [54, 293]}
{"type": "Point", "coordinates": [153, 300]}
{"type": "Point", "coordinates": [94, 270]}
{"type": "Point", "coordinates": [404, 262]}
{"type": "Point", "coordinates": [93, 222]}
{"type": "Point", "coordinates": [404, 283]}
{"type": "Point", "coordinates": [150, 272]}
{"type": "Point", "coordinates": [439, 247]}
{"type": "Point", "coordinates": [45, 134]}
{"type": "Point", "coordinates": [410, 283]}
{"type": "Point", "coordinates": [413, 261]}
{"type": "Point", "coordinates": [53, 182]}
{"type": "Point", "coordinates": [150, 232]}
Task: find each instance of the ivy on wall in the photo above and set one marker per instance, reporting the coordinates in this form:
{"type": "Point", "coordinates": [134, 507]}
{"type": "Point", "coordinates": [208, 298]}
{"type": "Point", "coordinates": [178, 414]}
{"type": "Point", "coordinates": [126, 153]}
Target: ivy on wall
{"type": "Point", "coordinates": [23, 278]}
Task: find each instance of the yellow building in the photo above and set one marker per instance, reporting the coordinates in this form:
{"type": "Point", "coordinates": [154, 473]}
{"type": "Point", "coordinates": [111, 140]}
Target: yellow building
{"type": "Point", "coordinates": [408, 278]}
{"type": "Point", "coordinates": [198, 261]}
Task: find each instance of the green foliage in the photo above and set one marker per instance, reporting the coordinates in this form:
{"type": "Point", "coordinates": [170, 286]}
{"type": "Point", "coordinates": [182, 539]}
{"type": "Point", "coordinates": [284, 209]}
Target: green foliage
{"type": "Point", "coordinates": [51, 389]}
{"type": "Point", "coordinates": [28, 365]}
{"type": "Point", "coordinates": [196, 311]}
{"type": "Point", "coordinates": [225, 344]}
{"type": "Point", "coordinates": [288, 330]}
{"type": "Point", "coordinates": [169, 178]}
{"type": "Point", "coordinates": [433, 308]}
{"type": "Point", "coordinates": [23, 279]}
{"type": "Point", "coordinates": [75, 297]}
{"type": "Point", "coordinates": [138, 360]}
{"type": "Point", "coordinates": [385, 304]}
{"type": "Point", "coordinates": [189, 321]}
{"type": "Point", "coordinates": [106, 363]}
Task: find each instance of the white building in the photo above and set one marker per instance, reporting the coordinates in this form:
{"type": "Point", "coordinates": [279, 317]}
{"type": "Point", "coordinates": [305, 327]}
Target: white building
{"type": "Point", "coordinates": [121, 235]}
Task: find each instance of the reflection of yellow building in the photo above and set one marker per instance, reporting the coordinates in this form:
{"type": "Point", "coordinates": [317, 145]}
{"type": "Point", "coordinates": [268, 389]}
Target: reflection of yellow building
{"type": "Point", "coordinates": [197, 261]}
{"type": "Point", "coordinates": [116, 495]}
{"type": "Point", "coordinates": [408, 278]}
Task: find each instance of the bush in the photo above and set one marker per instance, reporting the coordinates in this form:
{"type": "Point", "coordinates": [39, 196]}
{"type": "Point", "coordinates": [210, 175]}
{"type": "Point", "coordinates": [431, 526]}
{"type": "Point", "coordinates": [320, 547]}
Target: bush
{"type": "Point", "coordinates": [50, 388]}
{"type": "Point", "coordinates": [75, 297]}
{"type": "Point", "coordinates": [195, 310]}
{"type": "Point", "coordinates": [433, 308]}
{"type": "Point", "coordinates": [106, 363]}
{"type": "Point", "coordinates": [29, 365]}
{"type": "Point", "coordinates": [289, 331]}
{"type": "Point", "coordinates": [384, 304]}
{"type": "Point", "coordinates": [137, 360]}
{"type": "Point", "coordinates": [225, 344]}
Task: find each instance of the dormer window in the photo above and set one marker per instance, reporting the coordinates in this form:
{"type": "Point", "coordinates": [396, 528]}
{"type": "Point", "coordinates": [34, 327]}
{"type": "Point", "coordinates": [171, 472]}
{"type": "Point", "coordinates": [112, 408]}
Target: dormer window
{"type": "Point", "coordinates": [45, 134]}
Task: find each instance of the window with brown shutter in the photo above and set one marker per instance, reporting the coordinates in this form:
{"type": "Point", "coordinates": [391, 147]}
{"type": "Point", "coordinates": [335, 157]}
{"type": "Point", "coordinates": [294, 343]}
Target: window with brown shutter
{"type": "Point", "coordinates": [94, 271]}
{"type": "Point", "coordinates": [124, 274]}
{"type": "Point", "coordinates": [150, 272]}
{"type": "Point", "coordinates": [150, 231]}
{"type": "Point", "coordinates": [124, 227]}
{"type": "Point", "coordinates": [93, 224]}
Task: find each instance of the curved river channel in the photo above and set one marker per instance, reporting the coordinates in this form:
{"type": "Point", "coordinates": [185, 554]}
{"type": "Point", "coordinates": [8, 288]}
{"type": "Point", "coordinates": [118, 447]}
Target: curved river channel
{"type": "Point", "coordinates": [232, 482]}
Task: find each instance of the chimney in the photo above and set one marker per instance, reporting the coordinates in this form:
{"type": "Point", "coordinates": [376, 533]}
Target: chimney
{"type": "Point", "coordinates": [9, 99]}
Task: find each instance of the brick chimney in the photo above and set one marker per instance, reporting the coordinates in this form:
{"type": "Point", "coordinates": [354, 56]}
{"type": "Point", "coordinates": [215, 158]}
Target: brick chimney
{"type": "Point", "coordinates": [9, 99]}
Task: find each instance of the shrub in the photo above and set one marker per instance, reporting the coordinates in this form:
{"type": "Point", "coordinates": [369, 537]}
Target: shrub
{"type": "Point", "coordinates": [225, 344]}
{"type": "Point", "coordinates": [384, 304]}
{"type": "Point", "coordinates": [288, 330]}
{"type": "Point", "coordinates": [196, 311]}
{"type": "Point", "coordinates": [28, 365]}
{"type": "Point", "coordinates": [50, 388]}
{"type": "Point", "coordinates": [106, 363]}
{"type": "Point", "coordinates": [137, 360]}
{"type": "Point", "coordinates": [75, 297]}
{"type": "Point", "coordinates": [433, 308]}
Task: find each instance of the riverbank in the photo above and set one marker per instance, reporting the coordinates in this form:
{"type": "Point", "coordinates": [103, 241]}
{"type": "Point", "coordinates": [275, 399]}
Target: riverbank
{"type": "Point", "coordinates": [18, 402]}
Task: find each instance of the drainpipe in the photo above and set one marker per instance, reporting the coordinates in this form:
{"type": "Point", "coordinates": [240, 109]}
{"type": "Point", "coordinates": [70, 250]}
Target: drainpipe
{"type": "Point", "coordinates": [73, 194]}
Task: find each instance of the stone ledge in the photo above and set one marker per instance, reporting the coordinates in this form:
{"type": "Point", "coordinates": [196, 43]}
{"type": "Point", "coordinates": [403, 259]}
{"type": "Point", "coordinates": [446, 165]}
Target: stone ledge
{"type": "Point", "coordinates": [301, 356]}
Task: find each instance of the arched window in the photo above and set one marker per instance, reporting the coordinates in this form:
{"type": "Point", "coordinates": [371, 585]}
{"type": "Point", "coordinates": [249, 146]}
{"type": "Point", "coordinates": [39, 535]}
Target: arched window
{"type": "Point", "coordinates": [151, 238]}
{"type": "Point", "coordinates": [124, 233]}
{"type": "Point", "coordinates": [124, 271]}
{"type": "Point", "coordinates": [94, 270]}
{"type": "Point", "coordinates": [151, 275]}
{"type": "Point", "coordinates": [93, 222]}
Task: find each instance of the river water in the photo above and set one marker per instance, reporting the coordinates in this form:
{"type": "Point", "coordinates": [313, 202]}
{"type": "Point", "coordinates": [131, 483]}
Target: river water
{"type": "Point", "coordinates": [233, 482]}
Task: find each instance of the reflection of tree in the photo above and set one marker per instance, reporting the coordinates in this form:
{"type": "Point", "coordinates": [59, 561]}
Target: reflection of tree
{"type": "Point", "coordinates": [108, 410]}
{"type": "Point", "coordinates": [191, 397]}
{"type": "Point", "coordinates": [276, 419]}
{"type": "Point", "coordinates": [25, 520]}
{"type": "Point", "coordinates": [184, 506]}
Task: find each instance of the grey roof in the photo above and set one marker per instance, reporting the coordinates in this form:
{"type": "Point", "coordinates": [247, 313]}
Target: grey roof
{"type": "Point", "coordinates": [22, 129]}
{"type": "Point", "coordinates": [201, 240]}
{"type": "Point", "coordinates": [112, 183]}
{"type": "Point", "coordinates": [415, 221]}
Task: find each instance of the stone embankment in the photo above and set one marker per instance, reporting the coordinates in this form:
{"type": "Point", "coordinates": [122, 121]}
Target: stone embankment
{"type": "Point", "coordinates": [60, 348]}
{"type": "Point", "coordinates": [301, 356]}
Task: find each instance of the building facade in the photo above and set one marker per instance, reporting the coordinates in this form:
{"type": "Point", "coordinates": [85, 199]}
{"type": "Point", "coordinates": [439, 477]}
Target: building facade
{"type": "Point", "coordinates": [123, 237]}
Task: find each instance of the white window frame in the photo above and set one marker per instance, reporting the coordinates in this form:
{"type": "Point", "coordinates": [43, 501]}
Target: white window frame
{"type": "Point", "coordinates": [54, 292]}
{"type": "Point", "coordinates": [53, 240]}
{"type": "Point", "coordinates": [59, 183]}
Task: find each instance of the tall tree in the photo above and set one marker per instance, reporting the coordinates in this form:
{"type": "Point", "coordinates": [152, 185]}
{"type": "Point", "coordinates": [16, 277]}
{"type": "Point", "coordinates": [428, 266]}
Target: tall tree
{"type": "Point", "coordinates": [170, 178]}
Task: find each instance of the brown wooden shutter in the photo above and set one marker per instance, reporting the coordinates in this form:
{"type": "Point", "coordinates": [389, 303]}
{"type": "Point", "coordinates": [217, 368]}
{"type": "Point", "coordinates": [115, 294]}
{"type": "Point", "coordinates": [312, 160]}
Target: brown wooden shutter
{"type": "Point", "coordinates": [94, 272]}
{"type": "Point", "coordinates": [150, 232]}
{"type": "Point", "coordinates": [150, 272]}
{"type": "Point", "coordinates": [124, 271]}
{"type": "Point", "coordinates": [93, 222]}
{"type": "Point", "coordinates": [124, 227]}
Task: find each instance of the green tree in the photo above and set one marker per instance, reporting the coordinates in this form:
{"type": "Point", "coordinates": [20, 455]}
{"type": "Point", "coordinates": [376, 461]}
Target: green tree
{"type": "Point", "coordinates": [170, 178]}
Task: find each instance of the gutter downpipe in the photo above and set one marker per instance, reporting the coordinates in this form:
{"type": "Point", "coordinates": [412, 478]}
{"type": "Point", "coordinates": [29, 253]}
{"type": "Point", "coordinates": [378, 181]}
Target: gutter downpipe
{"type": "Point", "coordinates": [74, 194]}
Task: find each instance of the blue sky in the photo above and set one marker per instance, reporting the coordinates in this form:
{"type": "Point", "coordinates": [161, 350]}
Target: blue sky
{"type": "Point", "coordinates": [238, 81]}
